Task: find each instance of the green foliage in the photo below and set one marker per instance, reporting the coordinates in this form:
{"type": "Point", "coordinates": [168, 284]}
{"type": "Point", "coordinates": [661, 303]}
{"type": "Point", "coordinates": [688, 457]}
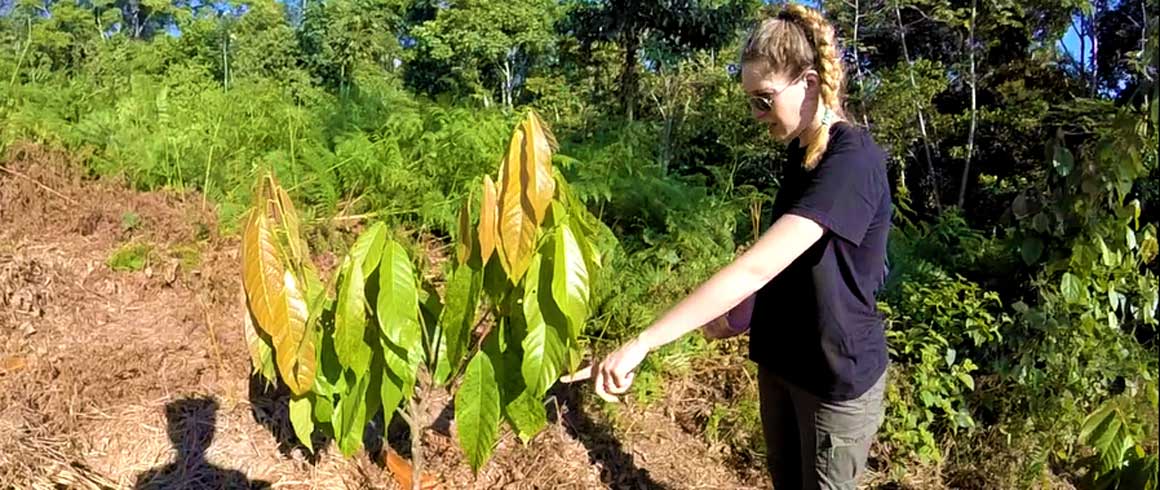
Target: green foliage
{"type": "Point", "coordinates": [1120, 461]}
{"type": "Point", "coordinates": [936, 327]}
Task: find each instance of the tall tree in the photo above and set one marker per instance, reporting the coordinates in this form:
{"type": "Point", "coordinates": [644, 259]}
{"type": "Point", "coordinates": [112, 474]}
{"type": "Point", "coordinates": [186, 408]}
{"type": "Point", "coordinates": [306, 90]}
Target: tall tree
{"type": "Point", "coordinates": [673, 25]}
{"type": "Point", "coordinates": [337, 36]}
{"type": "Point", "coordinates": [482, 46]}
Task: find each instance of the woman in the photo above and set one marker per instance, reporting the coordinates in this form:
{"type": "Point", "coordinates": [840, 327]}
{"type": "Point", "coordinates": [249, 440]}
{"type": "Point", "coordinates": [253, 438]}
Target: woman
{"type": "Point", "coordinates": [816, 334]}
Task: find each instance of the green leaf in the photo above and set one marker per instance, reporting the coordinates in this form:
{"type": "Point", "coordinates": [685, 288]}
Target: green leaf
{"type": "Point", "coordinates": [301, 419]}
{"type": "Point", "coordinates": [477, 411]}
{"type": "Point", "coordinates": [392, 394]}
{"type": "Point", "coordinates": [1108, 259]}
{"type": "Point", "coordinates": [967, 380]}
{"type": "Point", "coordinates": [398, 302]}
{"type": "Point", "coordinates": [323, 409]}
{"type": "Point", "coordinates": [430, 309]}
{"type": "Point", "coordinates": [350, 320]}
{"type": "Point", "coordinates": [544, 349]}
{"type": "Point", "coordinates": [1093, 421]}
{"type": "Point", "coordinates": [527, 415]}
{"type": "Point", "coordinates": [369, 246]}
{"type": "Point", "coordinates": [950, 356]}
{"type": "Point", "coordinates": [570, 286]}
{"type": "Point", "coordinates": [350, 414]}
{"type": "Point", "coordinates": [401, 365]}
{"type": "Point", "coordinates": [1071, 288]}
{"type": "Point", "coordinates": [329, 374]}
{"type": "Point", "coordinates": [458, 318]}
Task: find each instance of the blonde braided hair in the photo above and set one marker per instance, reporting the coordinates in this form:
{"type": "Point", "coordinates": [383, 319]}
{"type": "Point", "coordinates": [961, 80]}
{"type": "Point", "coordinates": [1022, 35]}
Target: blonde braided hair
{"type": "Point", "coordinates": [792, 40]}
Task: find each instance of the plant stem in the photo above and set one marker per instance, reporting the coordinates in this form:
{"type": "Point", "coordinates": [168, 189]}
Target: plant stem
{"type": "Point", "coordinates": [416, 445]}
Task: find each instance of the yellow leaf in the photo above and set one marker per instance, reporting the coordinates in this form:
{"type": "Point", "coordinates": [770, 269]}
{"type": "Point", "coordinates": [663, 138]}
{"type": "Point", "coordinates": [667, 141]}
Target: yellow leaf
{"type": "Point", "coordinates": [463, 246]}
{"type": "Point", "coordinates": [294, 350]}
{"type": "Point", "coordinates": [277, 303]}
{"type": "Point", "coordinates": [538, 182]}
{"type": "Point", "coordinates": [517, 225]}
{"type": "Point", "coordinates": [261, 353]}
{"type": "Point", "coordinates": [289, 218]}
{"type": "Point", "coordinates": [262, 273]}
{"type": "Point", "coordinates": [487, 219]}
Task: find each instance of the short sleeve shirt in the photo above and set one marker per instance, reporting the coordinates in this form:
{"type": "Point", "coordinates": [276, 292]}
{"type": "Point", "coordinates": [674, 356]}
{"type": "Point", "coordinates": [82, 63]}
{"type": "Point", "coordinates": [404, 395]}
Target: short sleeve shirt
{"type": "Point", "coordinates": [816, 324]}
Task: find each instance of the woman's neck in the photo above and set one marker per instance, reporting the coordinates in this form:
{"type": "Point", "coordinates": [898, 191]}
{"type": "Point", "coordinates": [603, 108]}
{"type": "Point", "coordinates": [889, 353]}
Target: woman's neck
{"type": "Point", "coordinates": [808, 135]}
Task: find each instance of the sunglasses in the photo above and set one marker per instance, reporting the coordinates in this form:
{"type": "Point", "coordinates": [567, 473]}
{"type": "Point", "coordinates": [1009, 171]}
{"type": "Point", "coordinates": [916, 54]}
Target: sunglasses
{"type": "Point", "coordinates": [764, 102]}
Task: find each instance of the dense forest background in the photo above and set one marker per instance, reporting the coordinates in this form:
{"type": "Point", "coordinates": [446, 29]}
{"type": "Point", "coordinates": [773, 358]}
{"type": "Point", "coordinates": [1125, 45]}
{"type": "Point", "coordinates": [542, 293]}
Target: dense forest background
{"type": "Point", "coordinates": [1022, 298]}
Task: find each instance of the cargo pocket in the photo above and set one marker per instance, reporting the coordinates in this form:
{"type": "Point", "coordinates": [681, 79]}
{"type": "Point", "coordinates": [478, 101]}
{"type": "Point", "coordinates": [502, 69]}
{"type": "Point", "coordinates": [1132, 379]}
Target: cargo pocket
{"type": "Point", "coordinates": [841, 460]}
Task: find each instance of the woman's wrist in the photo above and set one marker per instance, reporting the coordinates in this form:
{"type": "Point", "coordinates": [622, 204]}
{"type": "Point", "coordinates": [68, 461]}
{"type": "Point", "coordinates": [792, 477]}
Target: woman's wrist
{"type": "Point", "coordinates": [648, 339]}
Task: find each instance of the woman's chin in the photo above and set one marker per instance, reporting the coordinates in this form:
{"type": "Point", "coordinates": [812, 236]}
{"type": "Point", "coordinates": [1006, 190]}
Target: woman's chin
{"type": "Point", "coordinates": [778, 134]}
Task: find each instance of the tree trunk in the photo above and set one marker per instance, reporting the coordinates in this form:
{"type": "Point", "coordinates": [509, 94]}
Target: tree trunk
{"type": "Point", "coordinates": [921, 116]}
{"type": "Point", "coordinates": [1095, 83]}
{"type": "Point", "coordinates": [858, 64]}
{"type": "Point", "coordinates": [974, 109]}
{"type": "Point", "coordinates": [507, 82]}
{"type": "Point", "coordinates": [628, 72]}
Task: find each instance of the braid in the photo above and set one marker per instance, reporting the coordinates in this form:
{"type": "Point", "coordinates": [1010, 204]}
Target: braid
{"type": "Point", "coordinates": [828, 64]}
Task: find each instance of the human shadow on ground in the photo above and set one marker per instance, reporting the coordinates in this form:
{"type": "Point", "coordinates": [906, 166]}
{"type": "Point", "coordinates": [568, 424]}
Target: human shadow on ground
{"type": "Point", "coordinates": [618, 467]}
{"type": "Point", "coordinates": [191, 425]}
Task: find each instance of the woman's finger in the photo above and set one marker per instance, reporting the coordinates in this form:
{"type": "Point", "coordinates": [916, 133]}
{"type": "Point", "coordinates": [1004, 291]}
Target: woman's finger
{"type": "Point", "coordinates": [580, 375]}
{"type": "Point", "coordinates": [620, 389]}
{"type": "Point", "coordinates": [601, 379]}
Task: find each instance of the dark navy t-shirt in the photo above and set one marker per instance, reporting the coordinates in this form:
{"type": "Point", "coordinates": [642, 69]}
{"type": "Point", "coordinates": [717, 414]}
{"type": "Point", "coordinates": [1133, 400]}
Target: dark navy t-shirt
{"type": "Point", "coordinates": [816, 324]}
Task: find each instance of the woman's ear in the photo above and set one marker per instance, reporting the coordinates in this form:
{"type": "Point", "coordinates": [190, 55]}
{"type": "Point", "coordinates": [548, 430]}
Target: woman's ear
{"type": "Point", "coordinates": [813, 83]}
{"type": "Point", "coordinates": [813, 79]}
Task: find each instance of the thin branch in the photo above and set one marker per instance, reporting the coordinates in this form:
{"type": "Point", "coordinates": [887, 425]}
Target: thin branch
{"type": "Point", "coordinates": [974, 109]}
{"type": "Point", "coordinates": [918, 108]}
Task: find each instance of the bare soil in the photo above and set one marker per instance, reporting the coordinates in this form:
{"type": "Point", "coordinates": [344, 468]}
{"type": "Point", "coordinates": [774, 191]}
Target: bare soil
{"type": "Point", "coordinates": [141, 379]}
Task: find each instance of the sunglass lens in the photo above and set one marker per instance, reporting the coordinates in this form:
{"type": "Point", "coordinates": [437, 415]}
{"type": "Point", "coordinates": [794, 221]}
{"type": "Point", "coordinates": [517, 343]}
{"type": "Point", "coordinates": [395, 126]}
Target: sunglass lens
{"type": "Point", "coordinates": [759, 104]}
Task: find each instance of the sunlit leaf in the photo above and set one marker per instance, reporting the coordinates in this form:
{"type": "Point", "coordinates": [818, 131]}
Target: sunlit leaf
{"type": "Point", "coordinates": [570, 285]}
{"type": "Point", "coordinates": [1073, 291]}
{"type": "Point", "coordinates": [538, 182]}
{"type": "Point", "coordinates": [477, 411]}
{"type": "Point", "coordinates": [288, 217]}
{"type": "Point", "coordinates": [294, 348]}
{"type": "Point", "coordinates": [301, 418]}
{"type": "Point", "coordinates": [369, 247]}
{"type": "Point", "coordinates": [527, 415]}
{"type": "Point", "coordinates": [323, 409]}
{"type": "Point", "coordinates": [488, 219]}
{"type": "Point", "coordinates": [517, 225]}
{"type": "Point", "coordinates": [398, 302]}
{"type": "Point", "coordinates": [544, 349]}
{"type": "Point", "coordinates": [261, 352]}
{"type": "Point", "coordinates": [350, 317]}
{"type": "Point", "coordinates": [463, 238]}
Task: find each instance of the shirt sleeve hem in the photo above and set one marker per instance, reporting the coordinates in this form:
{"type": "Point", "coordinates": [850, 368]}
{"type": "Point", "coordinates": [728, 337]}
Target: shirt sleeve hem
{"type": "Point", "coordinates": [824, 221]}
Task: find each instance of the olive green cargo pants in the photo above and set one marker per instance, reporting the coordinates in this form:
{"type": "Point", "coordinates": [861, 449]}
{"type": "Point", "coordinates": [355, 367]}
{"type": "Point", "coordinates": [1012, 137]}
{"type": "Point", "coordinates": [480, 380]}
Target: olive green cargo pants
{"type": "Point", "coordinates": [814, 444]}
